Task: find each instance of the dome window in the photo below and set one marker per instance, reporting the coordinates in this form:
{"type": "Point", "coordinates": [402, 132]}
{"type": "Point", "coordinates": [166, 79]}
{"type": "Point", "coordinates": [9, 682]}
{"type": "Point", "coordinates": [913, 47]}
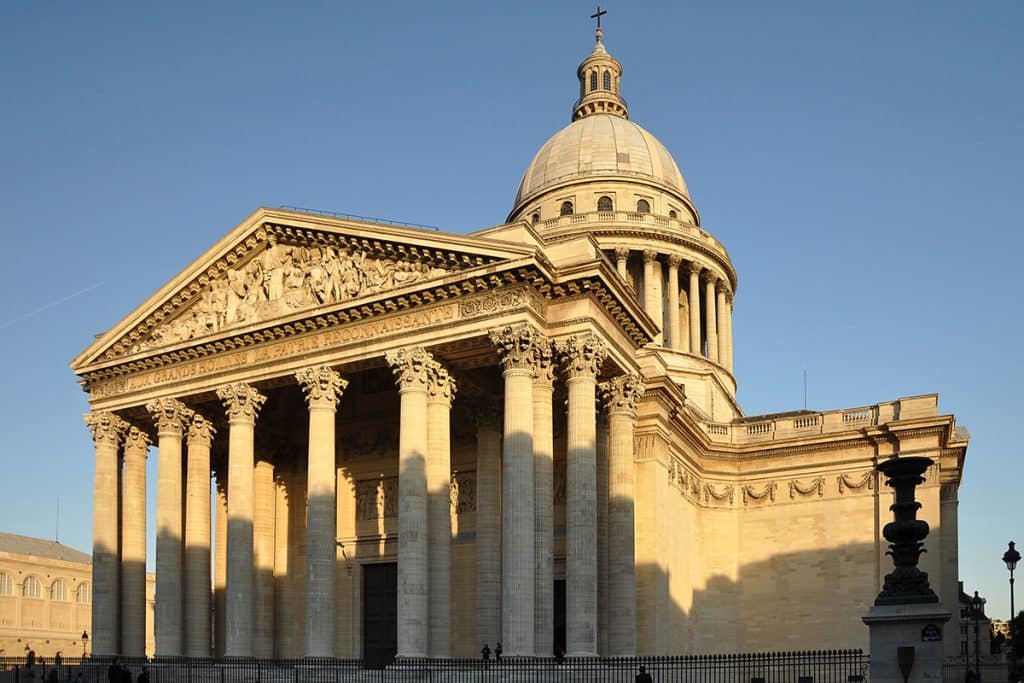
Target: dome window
{"type": "Point", "coordinates": [643, 206]}
{"type": "Point", "coordinates": [604, 204]}
{"type": "Point", "coordinates": [673, 214]}
{"type": "Point", "coordinates": [593, 81]}
{"type": "Point", "coordinates": [607, 84]}
{"type": "Point", "coordinates": [566, 209]}
{"type": "Point", "coordinates": [535, 219]}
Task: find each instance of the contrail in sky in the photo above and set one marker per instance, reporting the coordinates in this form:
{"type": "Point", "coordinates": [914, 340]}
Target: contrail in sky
{"type": "Point", "coordinates": [48, 306]}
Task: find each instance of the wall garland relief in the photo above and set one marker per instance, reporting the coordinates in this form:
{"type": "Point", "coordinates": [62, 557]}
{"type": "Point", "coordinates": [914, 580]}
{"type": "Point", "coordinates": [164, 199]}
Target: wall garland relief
{"type": "Point", "coordinates": [767, 493]}
{"type": "Point", "coordinates": [866, 480]}
{"type": "Point", "coordinates": [727, 493]}
{"type": "Point", "coordinates": [817, 485]}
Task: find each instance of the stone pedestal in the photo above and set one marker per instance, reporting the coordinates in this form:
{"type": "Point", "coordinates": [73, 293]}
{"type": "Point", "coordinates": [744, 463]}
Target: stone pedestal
{"type": "Point", "coordinates": [917, 626]}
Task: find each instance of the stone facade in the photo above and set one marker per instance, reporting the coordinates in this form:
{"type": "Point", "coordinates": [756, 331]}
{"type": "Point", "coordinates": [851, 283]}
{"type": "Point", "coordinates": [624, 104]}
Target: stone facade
{"type": "Point", "coordinates": [541, 409]}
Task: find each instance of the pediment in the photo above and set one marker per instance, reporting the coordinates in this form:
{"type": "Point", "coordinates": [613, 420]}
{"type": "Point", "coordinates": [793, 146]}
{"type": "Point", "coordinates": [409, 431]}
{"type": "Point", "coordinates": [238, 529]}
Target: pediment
{"type": "Point", "coordinates": [281, 264]}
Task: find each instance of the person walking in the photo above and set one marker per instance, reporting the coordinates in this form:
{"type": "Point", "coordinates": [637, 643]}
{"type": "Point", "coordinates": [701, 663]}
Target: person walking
{"type": "Point", "coordinates": [643, 676]}
{"type": "Point", "coordinates": [497, 652]}
{"type": "Point", "coordinates": [486, 653]}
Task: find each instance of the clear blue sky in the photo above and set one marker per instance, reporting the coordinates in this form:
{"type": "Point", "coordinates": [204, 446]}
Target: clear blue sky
{"type": "Point", "coordinates": [861, 161]}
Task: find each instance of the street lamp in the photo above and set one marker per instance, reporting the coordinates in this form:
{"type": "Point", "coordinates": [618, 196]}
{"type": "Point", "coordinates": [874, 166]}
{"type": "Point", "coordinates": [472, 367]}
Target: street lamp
{"type": "Point", "coordinates": [85, 641]}
{"type": "Point", "coordinates": [1011, 557]}
{"type": "Point", "coordinates": [976, 608]}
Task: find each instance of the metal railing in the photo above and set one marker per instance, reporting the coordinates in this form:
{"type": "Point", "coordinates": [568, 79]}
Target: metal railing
{"type": "Point", "coordinates": [829, 666]}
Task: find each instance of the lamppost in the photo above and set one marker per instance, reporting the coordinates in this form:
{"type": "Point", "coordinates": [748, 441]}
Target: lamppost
{"type": "Point", "coordinates": [1011, 557]}
{"type": "Point", "coordinates": [976, 609]}
{"type": "Point", "coordinates": [85, 641]}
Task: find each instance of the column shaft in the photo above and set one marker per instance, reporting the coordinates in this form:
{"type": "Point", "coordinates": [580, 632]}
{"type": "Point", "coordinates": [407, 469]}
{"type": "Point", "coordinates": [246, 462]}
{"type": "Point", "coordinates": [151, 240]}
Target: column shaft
{"type": "Point", "coordinates": [543, 529]}
{"type": "Point", "coordinates": [694, 306]}
{"type": "Point", "coordinates": [621, 257]}
{"type": "Point", "coordinates": [728, 332]}
{"type": "Point", "coordinates": [674, 332]}
{"type": "Point", "coordinates": [711, 317]}
{"type": "Point", "coordinates": [488, 527]}
{"type": "Point", "coordinates": [652, 293]}
{"type": "Point", "coordinates": [283, 614]}
{"type": "Point", "coordinates": [197, 539]}
{"type": "Point", "coordinates": [107, 430]}
{"type": "Point", "coordinates": [220, 568]}
{"type": "Point", "coordinates": [439, 476]}
{"type": "Point", "coordinates": [133, 546]}
{"type": "Point", "coordinates": [517, 576]}
{"type": "Point", "coordinates": [264, 496]}
{"type": "Point", "coordinates": [604, 614]}
{"type": "Point", "coordinates": [723, 338]}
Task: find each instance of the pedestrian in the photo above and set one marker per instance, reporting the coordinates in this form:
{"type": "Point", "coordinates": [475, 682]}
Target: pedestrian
{"type": "Point", "coordinates": [497, 652]}
{"type": "Point", "coordinates": [486, 653]}
{"type": "Point", "coordinates": [125, 675]}
{"type": "Point", "coordinates": [643, 676]}
{"type": "Point", "coordinates": [114, 671]}
{"type": "Point", "coordinates": [78, 677]}
{"type": "Point", "coordinates": [58, 660]}
{"type": "Point", "coordinates": [52, 676]}
{"type": "Point", "coordinates": [144, 675]}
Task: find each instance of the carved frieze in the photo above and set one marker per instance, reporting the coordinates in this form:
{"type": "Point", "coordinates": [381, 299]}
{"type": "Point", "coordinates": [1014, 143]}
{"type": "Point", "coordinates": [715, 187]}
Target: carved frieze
{"type": "Point", "coordinates": [817, 485]}
{"type": "Point", "coordinates": [728, 493]}
{"type": "Point", "coordinates": [866, 480]}
{"type": "Point", "coordinates": [463, 492]}
{"type": "Point", "coordinates": [377, 499]}
{"type": "Point", "coordinates": [559, 482]}
{"type": "Point", "coordinates": [750, 494]}
{"type": "Point", "coordinates": [501, 300]}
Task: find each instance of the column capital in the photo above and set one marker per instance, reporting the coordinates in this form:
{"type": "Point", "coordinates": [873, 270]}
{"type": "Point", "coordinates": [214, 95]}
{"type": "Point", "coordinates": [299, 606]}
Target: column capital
{"type": "Point", "coordinates": [650, 255]}
{"type": "Point", "coordinates": [322, 386]}
{"type": "Point", "coordinates": [136, 440]}
{"type": "Point", "coordinates": [674, 260]}
{"type": "Point", "coordinates": [621, 394]}
{"type": "Point", "coordinates": [519, 347]}
{"type": "Point", "coordinates": [440, 384]}
{"type": "Point", "coordinates": [708, 277]}
{"type": "Point", "coordinates": [622, 253]}
{"type": "Point", "coordinates": [200, 430]}
{"type": "Point", "coordinates": [582, 355]}
{"type": "Point", "coordinates": [241, 401]}
{"type": "Point", "coordinates": [722, 287]}
{"type": "Point", "coordinates": [411, 367]}
{"type": "Point", "coordinates": [170, 415]}
{"type": "Point", "coordinates": [694, 268]}
{"type": "Point", "coordinates": [105, 427]}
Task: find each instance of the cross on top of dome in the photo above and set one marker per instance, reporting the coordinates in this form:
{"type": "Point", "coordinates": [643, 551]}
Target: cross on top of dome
{"type": "Point", "coordinates": [600, 77]}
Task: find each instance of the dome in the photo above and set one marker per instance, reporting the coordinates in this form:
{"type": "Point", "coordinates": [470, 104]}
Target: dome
{"type": "Point", "coordinates": [600, 145]}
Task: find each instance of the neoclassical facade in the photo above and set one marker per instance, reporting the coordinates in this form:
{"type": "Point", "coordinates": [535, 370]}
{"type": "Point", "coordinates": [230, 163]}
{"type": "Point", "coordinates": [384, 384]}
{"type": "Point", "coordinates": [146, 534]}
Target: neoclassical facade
{"type": "Point", "coordinates": [423, 442]}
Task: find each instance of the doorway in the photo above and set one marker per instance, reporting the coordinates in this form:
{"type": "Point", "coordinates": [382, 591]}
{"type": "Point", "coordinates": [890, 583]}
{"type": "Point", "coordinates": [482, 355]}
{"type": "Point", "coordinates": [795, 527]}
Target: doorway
{"type": "Point", "coordinates": [559, 617]}
{"type": "Point", "coordinates": [380, 614]}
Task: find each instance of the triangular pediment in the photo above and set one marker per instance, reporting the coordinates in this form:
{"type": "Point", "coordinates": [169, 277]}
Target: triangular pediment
{"type": "Point", "coordinates": [281, 264]}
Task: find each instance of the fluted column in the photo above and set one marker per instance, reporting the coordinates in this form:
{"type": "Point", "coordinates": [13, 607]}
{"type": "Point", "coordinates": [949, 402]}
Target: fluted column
{"type": "Point", "coordinates": [582, 358]}
{"type": "Point", "coordinates": [263, 528]}
{"type": "Point", "coordinates": [727, 318]}
{"type": "Point", "coordinates": [488, 524]}
{"type": "Point", "coordinates": [220, 566]}
{"type": "Point", "coordinates": [543, 500]}
{"type": "Point", "coordinates": [621, 396]}
{"type": "Point", "coordinates": [441, 391]}
{"type": "Point", "coordinates": [197, 537]}
{"type": "Point", "coordinates": [651, 292]}
{"type": "Point", "coordinates": [603, 614]}
{"type": "Point", "coordinates": [517, 348]}
{"type": "Point", "coordinates": [171, 417]}
{"type": "Point", "coordinates": [242, 403]}
{"type": "Point", "coordinates": [133, 545]}
{"type": "Point", "coordinates": [412, 369]}
{"type": "Point", "coordinates": [323, 388]}
{"type": "Point", "coordinates": [674, 332]}
{"type": "Point", "coordinates": [621, 262]}
{"type": "Point", "coordinates": [710, 316]}
{"type": "Point", "coordinates": [107, 430]}
{"type": "Point", "coordinates": [694, 304]}
{"type": "Point", "coordinates": [723, 325]}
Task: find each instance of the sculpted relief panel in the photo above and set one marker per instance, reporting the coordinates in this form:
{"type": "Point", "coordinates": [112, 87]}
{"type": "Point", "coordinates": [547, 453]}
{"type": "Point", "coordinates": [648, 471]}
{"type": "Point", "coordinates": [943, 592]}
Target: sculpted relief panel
{"type": "Point", "coordinates": [285, 279]}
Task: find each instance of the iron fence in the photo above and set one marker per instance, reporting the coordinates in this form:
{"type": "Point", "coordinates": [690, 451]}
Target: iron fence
{"type": "Point", "coordinates": [829, 666]}
{"type": "Point", "coordinates": [993, 669]}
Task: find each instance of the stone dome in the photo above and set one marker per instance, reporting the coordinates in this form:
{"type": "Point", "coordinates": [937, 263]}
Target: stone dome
{"type": "Point", "coordinates": [600, 145]}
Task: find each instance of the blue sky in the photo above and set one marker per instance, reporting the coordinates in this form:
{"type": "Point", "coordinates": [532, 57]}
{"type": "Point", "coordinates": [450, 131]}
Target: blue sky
{"type": "Point", "coordinates": [859, 161]}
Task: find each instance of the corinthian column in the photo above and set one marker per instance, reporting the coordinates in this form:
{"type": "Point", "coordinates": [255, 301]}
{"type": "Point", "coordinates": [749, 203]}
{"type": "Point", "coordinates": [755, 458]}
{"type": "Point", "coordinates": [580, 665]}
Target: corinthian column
{"type": "Point", "coordinates": [439, 476]}
{"type": "Point", "coordinates": [488, 524]}
{"type": "Point", "coordinates": [412, 375]}
{"type": "Point", "coordinates": [323, 388]}
{"type": "Point", "coordinates": [133, 545]}
{"type": "Point", "coordinates": [621, 396]}
{"type": "Point", "coordinates": [710, 316]}
{"type": "Point", "coordinates": [197, 538]}
{"type": "Point", "coordinates": [621, 258]}
{"type": "Point", "coordinates": [107, 430]}
{"type": "Point", "coordinates": [543, 522]}
{"type": "Point", "coordinates": [582, 358]}
{"type": "Point", "coordinates": [264, 498]}
{"type": "Point", "coordinates": [693, 296]}
{"type": "Point", "coordinates": [242, 403]}
{"type": "Point", "coordinates": [171, 418]}
{"type": "Point", "coordinates": [517, 348]}
{"type": "Point", "coordinates": [673, 302]}
{"type": "Point", "coordinates": [651, 293]}
{"type": "Point", "coordinates": [727, 319]}
{"type": "Point", "coordinates": [723, 325]}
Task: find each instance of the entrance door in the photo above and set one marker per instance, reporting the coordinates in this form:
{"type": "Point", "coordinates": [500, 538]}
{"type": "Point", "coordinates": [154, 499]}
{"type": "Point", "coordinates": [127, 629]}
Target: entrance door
{"type": "Point", "coordinates": [559, 616]}
{"type": "Point", "coordinates": [380, 614]}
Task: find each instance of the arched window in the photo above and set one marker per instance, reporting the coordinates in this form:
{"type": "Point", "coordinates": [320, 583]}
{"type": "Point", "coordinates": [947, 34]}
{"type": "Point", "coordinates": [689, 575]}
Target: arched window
{"type": "Point", "coordinates": [535, 219]}
{"type": "Point", "coordinates": [673, 214]}
{"type": "Point", "coordinates": [32, 589]}
{"type": "Point", "coordinates": [593, 81]}
{"type": "Point", "coordinates": [83, 594]}
{"type": "Point", "coordinates": [59, 591]}
{"type": "Point", "coordinates": [566, 209]}
{"type": "Point", "coordinates": [643, 206]}
{"type": "Point", "coordinates": [604, 203]}
{"type": "Point", "coordinates": [607, 84]}
{"type": "Point", "coordinates": [6, 585]}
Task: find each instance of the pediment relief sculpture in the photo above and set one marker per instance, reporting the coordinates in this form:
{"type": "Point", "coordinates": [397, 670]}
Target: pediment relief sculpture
{"type": "Point", "coordinates": [284, 279]}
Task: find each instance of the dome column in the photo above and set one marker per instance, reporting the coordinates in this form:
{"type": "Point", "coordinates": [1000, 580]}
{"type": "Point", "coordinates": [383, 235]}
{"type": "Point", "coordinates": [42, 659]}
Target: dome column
{"type": "Point", "coordinates": [621, 257]}
{"type": "Point", "coordinates": [652, 293]}
{"type": "Point", "coordinates": [675, 334]}
{"type": "Point", "coordinates": [694, 297]}
{"type": "Point", "coordinates": [722, 313]}
{"type": "Point", "coordinates": [710, 316]}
